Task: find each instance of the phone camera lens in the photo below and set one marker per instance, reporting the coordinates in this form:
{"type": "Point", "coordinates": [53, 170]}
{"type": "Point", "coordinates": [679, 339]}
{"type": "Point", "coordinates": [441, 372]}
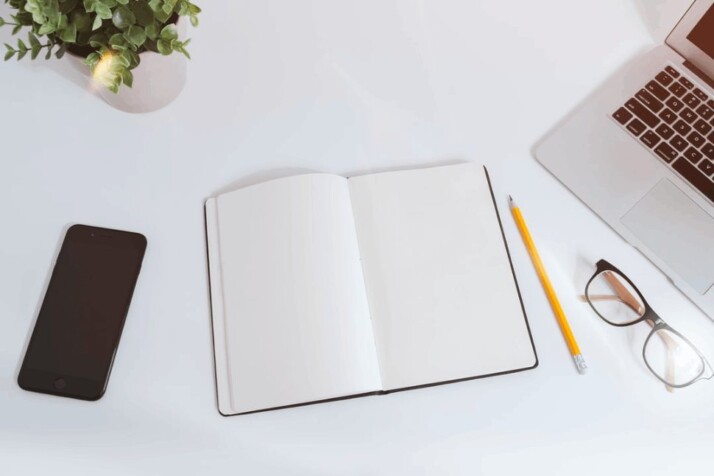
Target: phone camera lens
{"type": "Point", "coordinates": [92, 235]}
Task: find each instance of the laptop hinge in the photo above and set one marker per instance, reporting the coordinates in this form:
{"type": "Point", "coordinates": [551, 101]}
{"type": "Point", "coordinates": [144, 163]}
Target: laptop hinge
{"type": "Point", "coordinates": [699, 73]}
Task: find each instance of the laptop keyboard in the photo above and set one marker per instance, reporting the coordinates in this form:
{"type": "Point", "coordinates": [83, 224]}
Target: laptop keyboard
{"type": "Point", "coordinates": [674, 119]}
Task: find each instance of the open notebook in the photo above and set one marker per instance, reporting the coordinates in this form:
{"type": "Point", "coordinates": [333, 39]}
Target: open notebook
{"type": "Point", "coordinates": [324, 287]}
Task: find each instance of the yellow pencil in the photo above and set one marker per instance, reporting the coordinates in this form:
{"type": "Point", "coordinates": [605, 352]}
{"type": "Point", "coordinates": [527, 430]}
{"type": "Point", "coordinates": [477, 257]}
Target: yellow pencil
{"type": "Point", "coordinates": [548, 287]}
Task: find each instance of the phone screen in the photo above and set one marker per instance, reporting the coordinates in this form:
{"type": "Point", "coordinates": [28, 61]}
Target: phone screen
{"type": "Point", "coordinates": [77, 333]}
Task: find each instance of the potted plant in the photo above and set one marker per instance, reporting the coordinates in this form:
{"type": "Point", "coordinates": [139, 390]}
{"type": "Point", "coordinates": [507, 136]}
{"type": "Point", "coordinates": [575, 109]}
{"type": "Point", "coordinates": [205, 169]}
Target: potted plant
{"type": "Point", "coordinates": [124, 43]}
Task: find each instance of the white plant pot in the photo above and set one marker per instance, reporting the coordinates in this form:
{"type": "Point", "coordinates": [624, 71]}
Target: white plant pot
{"type": "Point", "coordinates": [158, 80]}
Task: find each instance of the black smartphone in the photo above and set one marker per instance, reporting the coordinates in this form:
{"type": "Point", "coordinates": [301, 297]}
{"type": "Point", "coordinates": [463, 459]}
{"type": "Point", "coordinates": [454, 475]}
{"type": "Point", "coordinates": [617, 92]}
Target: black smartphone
{"type": "Point", "coordinates": [77, 332]}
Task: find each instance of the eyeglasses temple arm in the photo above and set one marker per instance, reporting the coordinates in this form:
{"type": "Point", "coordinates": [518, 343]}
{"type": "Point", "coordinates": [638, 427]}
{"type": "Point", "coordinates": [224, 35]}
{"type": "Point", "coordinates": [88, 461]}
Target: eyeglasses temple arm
{"type": "Point", "coordinates": [623, 293]}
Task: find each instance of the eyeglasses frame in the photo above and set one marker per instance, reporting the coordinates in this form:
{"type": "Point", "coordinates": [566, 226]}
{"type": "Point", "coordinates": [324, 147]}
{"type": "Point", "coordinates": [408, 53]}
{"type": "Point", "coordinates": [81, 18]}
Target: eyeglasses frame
{"type": "Point", "coordinates": [651, 318]}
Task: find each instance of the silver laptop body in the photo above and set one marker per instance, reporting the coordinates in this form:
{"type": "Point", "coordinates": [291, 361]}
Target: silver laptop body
{"type": "Point", "coordinates": [640, 154]}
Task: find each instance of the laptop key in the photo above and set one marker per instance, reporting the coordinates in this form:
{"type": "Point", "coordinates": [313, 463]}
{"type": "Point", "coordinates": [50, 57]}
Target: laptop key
{"type": "Point", "coordinates": [693, 155]}
{"type": "Point", "coordinates": [622, 116]}
{"type": "Point", "coordinates": [664, 79]}
{"type": "Point", "coordinates": [706, 112]}
{"type": "Point", "coordinates": [644, 114]}
{"type": "Point", "coordinates": [649, 100]}
{"type": "Point", "coordinates": [691, 101]}
{"type": "Point", "coordinates": [707, 167]}
{"type": "Point", "coordinates": [682, 127]}
{"type": "Point", "coordinates": [677, 89]}
{"type": "Point", "coordinates": [686, 83]}
{"type": "Point", "coordinates": [708, 151]}
{"type": "Point", "coordinates": [700, 94]}
{"type": "Point", "coordinates": [636, 127]}
{"type": "Point", "coordinates": [679, 143]}
{"type": "Point", "coordinates": [700, 181]}
{"type": "Point", "coordinates": [650, 139]}
{"type": "Point", "coordinates": [710, 137]}
{"type": "Point", "coordinates": [668, 116]}
{"type": "Point", "coordinates": [688, 115]}
{"type": "Point", "coordinates": [710, 103]}
{"type": "Point", "coordinates": [665, 131]}
{"type": "Point", "coordinates": [703, 127]}
{"type": "Point", "coordinates": [655, 88]}
{"type": "Point", "coordinates": [675, 104]}
{"type": "Point", "coordinates": [696, 140]}
{"type": "Point", "coordinates": [666, 152]}
{"type": "Point", "coordinates": [672, 72]}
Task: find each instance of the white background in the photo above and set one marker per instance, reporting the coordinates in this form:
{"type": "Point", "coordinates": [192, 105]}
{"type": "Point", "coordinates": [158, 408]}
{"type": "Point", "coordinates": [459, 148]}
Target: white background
{"type": "Point", "coordinates": [278, 87]}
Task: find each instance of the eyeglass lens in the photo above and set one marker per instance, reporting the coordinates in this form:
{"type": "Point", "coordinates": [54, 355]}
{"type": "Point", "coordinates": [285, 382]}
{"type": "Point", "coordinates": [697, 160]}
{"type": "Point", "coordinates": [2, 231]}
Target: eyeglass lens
{"type": "Point", "coordinates": [672, 358]}
{"type": "Point", "coordinates": [614, 299]}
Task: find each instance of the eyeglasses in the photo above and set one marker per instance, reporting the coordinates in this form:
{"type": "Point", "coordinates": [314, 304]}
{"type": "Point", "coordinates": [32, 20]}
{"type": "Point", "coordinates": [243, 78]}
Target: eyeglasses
{"type": "Point", "coordinates": [667, 354]}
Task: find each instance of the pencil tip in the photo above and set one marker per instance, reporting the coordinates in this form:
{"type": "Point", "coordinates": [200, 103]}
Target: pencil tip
{"type": "Point", "coordinates": [510, 198]}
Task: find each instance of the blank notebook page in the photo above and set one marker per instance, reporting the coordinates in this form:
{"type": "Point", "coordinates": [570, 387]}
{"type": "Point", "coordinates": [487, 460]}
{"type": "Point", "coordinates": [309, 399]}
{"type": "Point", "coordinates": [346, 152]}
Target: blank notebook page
{"type": "Point", "coordinates": [442, 295]}
{"type": "Point", "coordinates": [295, 315]}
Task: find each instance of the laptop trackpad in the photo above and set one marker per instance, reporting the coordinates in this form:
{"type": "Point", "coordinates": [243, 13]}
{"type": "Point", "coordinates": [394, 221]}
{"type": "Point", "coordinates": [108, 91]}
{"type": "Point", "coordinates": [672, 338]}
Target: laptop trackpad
{"type": "Point", "coordinates": [678, 230]}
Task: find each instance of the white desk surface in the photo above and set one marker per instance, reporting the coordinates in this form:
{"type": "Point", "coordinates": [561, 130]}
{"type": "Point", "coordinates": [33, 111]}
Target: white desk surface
{"type": "Point", "coordinates": [277, 87]}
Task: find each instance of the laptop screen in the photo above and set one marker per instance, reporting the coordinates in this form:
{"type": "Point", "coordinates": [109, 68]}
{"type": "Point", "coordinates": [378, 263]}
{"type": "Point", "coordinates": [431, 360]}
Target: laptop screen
{"type": "Point", "coordinates": [703, 34]}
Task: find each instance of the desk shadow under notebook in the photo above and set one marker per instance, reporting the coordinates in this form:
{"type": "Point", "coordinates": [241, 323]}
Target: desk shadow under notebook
{"type": "Point", "coordinates": [324, 287]}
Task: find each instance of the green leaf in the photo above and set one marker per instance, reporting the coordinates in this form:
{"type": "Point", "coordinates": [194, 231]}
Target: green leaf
{"type": "Point", "coordinates": [127, 77]}
{"type": "Point", "coordinates": [97, 23]}
{"type": "Point", "coordinates": [152, 31]}
{"type": "Point", "coordinates": [169, 6]}
{"type": "Point", "coordinates": [92, 59]}
{"type": "Point", "coordinates": [61, 51]}
{"type": "Point", "coordinates": [98, 40]}
{"type": "Point", "coordinates": [21, 45]}
{"type": "Point", "coordinates": [117, 42]}
{"type": "Point", "coordinates": [143, 13]}
{"type": "Point", "coordinates": [164, 47]}
{"type": "Point", "coordinates": [15, 29]}
{"type": "Point", "coordinates": [46, 29]}
{"type": "Point", "coordinates": [103, 11]}
{"type": "Point", "coordinates": [161, 15]}
{"type": "Point", "coordinates": [69, 34]}
{"type": "Point", "coordinates": [37, 10]}
{"type": "Point", "coordinates": [9, 54]}
{"type": "Point", "coordinates": [62, 22]}
{"type": "Point", "coordinates": [67, 6]}
{"type": "Point", "coordinates": [123, 18]}
{"type": "Point", "coordinates": [23, 18]}
{"type": "Point", "coordinates": [82, 20]}
{"type": "Point", "coordinates": [194, 20]}
{"type": "Point", "coordinates": [33, 40]}
{"type": "Point", "coordinates": [169, 33]}
{"type": "Point", "coordinates": [123, 60]}
{"type": "Point", "coordinates": [21, 54]}
{"type": "Point", "coordinates": [136, 35]}
{"type": "Point", "coordinates": [34, 51]}
{"type": "Point", "coordinates": [2, 21]}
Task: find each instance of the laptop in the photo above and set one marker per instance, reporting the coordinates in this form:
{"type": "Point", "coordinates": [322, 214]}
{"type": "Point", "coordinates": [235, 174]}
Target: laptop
{"type": "Point", "coordinates": [640, 153]}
